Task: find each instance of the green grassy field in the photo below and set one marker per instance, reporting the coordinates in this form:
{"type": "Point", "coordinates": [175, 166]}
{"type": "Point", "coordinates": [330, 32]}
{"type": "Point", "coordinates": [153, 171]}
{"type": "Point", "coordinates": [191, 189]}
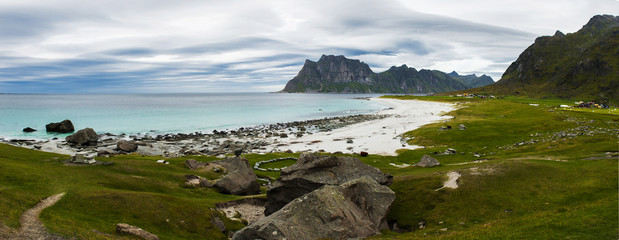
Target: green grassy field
{"type": "Point", "coordinates": [544, 173]}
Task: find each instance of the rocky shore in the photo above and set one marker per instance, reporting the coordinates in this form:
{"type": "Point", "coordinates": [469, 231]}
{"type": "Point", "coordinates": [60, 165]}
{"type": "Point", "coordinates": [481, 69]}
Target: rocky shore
{"type": "Point", "coordinates": [379, 133]}
{"type": "Point", "coordinates": [257, 139]}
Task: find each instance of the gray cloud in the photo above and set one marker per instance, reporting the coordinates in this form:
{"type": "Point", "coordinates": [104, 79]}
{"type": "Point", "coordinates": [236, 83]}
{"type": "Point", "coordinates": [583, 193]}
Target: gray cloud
{"type": "Point", "coordinates": [202, 46]}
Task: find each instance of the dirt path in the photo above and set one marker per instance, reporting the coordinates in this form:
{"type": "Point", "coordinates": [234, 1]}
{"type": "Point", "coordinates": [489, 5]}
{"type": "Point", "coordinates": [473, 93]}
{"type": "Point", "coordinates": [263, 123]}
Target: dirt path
{"type": "Point", "coordinates": [31, 226]}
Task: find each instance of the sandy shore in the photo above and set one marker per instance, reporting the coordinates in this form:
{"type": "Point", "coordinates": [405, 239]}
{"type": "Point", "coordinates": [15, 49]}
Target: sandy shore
{"type": "Point", "coordinates": [379, 133]}
{"type": "Point", "coordinates": [381, 136]}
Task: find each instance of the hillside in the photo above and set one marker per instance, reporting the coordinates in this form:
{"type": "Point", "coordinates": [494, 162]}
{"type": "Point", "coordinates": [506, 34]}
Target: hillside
{"type": "Point", "coordinates": [583, 65]}
{"type": "Point", "coordinates": [472, 80]}
{"type": "Point", "coordinates": [338, 74]}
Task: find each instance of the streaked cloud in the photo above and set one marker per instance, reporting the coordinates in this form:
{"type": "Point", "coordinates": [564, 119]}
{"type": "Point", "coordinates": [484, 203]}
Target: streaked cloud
{"type": "Point", "coordinates": [68, 46]}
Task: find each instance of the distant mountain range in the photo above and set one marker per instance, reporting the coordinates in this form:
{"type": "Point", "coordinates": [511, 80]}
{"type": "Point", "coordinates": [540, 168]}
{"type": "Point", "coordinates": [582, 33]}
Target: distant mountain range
{"type": "Point", "coordinates": [338, 74]}
{"type": "Point", "coordinates": [583, 65]}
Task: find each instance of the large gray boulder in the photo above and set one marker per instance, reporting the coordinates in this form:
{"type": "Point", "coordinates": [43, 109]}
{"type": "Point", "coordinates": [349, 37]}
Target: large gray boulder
{"type": "Point", "coordinates": [356, 209]}
{"type": "Point", "coordinates": [240, 180]}
{"type": "Point", "coordinates": [427, 161]}
{"type": "Point", "coordinates": [312, 171]}
{"type": "Point", "coordinates": [66, 126]}
{"type": "Point", "coordinates": [86, 136]}
{"type": "Point", "coordinates": [127, 146]}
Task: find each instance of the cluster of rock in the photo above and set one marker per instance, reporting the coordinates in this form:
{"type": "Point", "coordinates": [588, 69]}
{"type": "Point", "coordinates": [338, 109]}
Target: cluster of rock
{"type": "Point", "coordinates": [123, 228]}
{"type": "Point", "coordinates": [324, 197]}
{"type": "Point", "coordinates": [239, 180]}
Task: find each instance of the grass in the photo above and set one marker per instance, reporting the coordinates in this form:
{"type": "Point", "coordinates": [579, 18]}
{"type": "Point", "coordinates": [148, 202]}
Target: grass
{"type": "Point", "coordinates": [552, 186]}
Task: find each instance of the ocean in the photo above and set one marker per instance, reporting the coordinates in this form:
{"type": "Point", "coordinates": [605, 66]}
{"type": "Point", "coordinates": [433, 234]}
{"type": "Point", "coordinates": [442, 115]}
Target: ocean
{"type": "Point", "coordinates": [156, 114]}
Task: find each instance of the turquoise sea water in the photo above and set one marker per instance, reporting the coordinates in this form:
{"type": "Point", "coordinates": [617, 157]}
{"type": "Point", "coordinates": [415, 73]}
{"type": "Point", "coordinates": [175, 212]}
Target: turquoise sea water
{"type": "Point", "coordinates": [169, 113]}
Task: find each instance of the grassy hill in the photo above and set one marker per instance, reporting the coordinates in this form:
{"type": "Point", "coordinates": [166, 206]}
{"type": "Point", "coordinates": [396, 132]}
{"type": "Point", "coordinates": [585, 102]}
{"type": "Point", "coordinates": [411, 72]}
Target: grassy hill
{"type": "Point", "coordinates": [528, 172]}
{"type": "Point", "coordinates": [582, 66]}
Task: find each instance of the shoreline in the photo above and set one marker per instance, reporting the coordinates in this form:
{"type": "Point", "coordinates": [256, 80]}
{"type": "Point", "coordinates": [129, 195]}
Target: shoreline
{"type": "Point", "coordinates": [376, 133]}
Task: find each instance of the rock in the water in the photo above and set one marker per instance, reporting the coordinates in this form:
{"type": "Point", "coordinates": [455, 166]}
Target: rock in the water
{"type": "Point", "coordinates": [355, 209]}
{"type": "Point", "coordinates": [127, 146]}
{"type": "Point", "coordinates": [66, 126]}
{"type": "Point", "coordinates": [240, 180]}
{"type": "Point", "coordinates": [312, 171]}
{"type": "Point", "coordinates": [427, 161]}
{"type": "Point", "coordinates": [123, 228]}
{"type": "Point", "coordinates": [29, 129]}
{"type": "Point", "coordinates": [86, 136]}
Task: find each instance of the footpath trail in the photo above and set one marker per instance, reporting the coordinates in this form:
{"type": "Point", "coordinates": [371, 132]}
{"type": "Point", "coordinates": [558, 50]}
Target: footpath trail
{"type": "Point", "coordinates": [31, 227]}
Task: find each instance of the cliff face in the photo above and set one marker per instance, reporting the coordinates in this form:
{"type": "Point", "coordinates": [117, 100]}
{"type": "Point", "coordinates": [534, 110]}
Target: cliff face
{"type": "Point", "coordinates": [337, 74]}
{"type": "Point", "coordinates": [582, 65]}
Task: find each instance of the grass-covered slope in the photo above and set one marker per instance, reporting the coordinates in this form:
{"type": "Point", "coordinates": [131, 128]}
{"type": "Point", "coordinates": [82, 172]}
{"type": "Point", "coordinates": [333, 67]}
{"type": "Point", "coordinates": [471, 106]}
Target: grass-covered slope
{"type": "Point", "coordinates": [582, 65]}
{"type": "Point", "coordinates": [544, 173]}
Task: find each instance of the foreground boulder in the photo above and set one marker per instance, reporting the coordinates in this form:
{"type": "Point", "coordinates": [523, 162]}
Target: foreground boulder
{"type": "Point", "coordinates": [123, 228]}
{"type": "Point", "coordinates": [66, 126]}
{"type": "Point", "coordinates": [356, 209]}
{"type": "Point", "coordinates": [313, 171]}
{"type": "Point", "coordinates": [127, 146]}
{"type": "Point", "coordinates": [240, 180]}
{"type": "Point", "coordinates": [86, 136]}
{"type": "Point", "coordinates": [427, 161]}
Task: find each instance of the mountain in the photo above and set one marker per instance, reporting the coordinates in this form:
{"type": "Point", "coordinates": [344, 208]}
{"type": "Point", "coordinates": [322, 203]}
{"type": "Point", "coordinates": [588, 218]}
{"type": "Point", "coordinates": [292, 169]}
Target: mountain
{"type": "Point", "coordinates": [583, 65]}
{"type": "Point", "coordinates": [472, 80]}
{"type": "Point", "coordinates": [338, 74]}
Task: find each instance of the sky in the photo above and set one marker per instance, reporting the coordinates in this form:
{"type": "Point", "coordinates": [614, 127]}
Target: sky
{"type": "Point", "coordinates": [162, 46]}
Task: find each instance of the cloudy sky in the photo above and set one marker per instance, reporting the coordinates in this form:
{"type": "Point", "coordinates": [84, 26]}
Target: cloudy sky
{"type": "Point", "coordinates": [76, 46]}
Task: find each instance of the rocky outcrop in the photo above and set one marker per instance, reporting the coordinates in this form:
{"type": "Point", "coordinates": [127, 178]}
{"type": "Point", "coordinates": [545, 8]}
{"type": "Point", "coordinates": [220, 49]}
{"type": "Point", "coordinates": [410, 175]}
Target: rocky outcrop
{"type": "Point", "coordinates": [193, 164]}
{"type": "Point", "coordinates": [240, 180]}
{"type": "Point", "coordinates": [355, 209]}
{"type": "Point", "coordinates": [127, 146]}
{"type": "Point", "coordinates": [313, 171]}
{"type": "Point", "coordinates": [86, 136]}
{"type": "Point", "coordinates": [339, 74]}
{"type": "Point", "coordinates": [123, 228]}
{"type": "Point", "coordinates": [427, 161]}
{"type": "Point", "coordinates": [66, 126]}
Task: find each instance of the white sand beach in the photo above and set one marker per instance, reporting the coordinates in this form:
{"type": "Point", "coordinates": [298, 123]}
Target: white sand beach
{"type": "Point", "coordinates": [382, 136]}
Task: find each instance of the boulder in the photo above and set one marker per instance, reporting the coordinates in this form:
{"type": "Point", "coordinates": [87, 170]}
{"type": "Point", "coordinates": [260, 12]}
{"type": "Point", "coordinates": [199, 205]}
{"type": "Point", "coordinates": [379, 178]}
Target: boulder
{"type": "Point", "coordinates": [240, 180]}
{"type": "Point", "coordinates": [29, 129]}
{"type": "Point", "coordinates": [66, 126]}
{"type": "Point", "coordinates": [123, 228]}
{"type": "Point", "coordinates": [193, 164]}
{"type": "Point", "coordinates": [127, 146]}
{"type": "Point", "coordinates": [427, 161]}
{"type": "Point", "coordinates": [353, 210]}
{"type": "Point", "coordinates": [313, 171]}
{"type": "Point", "coordinates": [86, 136]}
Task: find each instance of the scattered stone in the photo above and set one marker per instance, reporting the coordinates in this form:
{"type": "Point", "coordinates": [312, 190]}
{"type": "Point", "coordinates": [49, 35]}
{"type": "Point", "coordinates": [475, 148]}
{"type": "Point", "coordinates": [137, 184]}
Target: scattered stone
{"type": "Point", "coordinates": [450, 151]}
{"type": "Point", "coordinates": [193, 180]}
{"type": "Point", "coordinates": [364, 154]}
{"type": "Point", "coordinates": [427, 161]}
{"type": "Point", "coordinates": [215, 220]}
{"type": "Point", "coordinates": [312, 171]}
{"type": "Point", "coordinates": [349, 141]}
{"type": "Point", "coordinates": [240, 180]}
{"type": "Point", "coordinates": [127, 146]}
{"type": "Point", "coordinates": [123, 228]}
{"type": "Point", "coordinates": [66, 126]}
{"type": "Point", "coordinates": [352, 210]}
{"type": "Point", "coordinates": [283, 135]}
{"type": "Point", "coordinates": [29, 130]}
{"type": "Point", "coordinates": [462, 127]}
{"type": "Point", "coordinates": [86, 136]}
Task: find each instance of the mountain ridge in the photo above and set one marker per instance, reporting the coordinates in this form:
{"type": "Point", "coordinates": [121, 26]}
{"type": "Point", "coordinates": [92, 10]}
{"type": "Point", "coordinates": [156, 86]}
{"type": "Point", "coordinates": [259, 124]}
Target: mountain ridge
{"type": "Point", "coordinates": [338, 74]}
